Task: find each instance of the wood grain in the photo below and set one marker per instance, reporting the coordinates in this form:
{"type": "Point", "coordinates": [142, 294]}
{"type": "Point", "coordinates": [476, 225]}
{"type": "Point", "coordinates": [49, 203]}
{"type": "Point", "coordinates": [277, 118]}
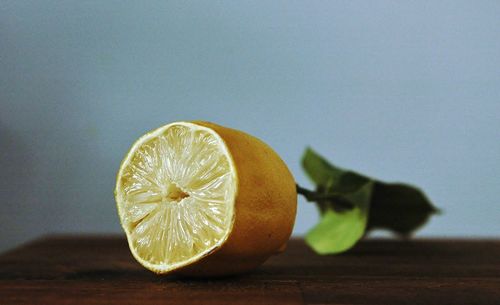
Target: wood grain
{"type": "Point", "coordinates": [100, 270]}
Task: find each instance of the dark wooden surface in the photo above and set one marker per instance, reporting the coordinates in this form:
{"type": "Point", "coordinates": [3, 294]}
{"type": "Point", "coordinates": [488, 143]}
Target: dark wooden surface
{"type": "Point", "coordinates": [100, 270]}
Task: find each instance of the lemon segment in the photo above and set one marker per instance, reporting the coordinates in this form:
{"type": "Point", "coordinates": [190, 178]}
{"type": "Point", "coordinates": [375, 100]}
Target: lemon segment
{"type": "Point", "coordinates": [175, 194]}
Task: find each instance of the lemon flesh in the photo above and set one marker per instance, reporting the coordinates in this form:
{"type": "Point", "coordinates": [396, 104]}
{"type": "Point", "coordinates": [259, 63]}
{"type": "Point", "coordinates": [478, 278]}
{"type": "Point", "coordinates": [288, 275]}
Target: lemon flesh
{"type": "Point", "coordinates": [175, 194]}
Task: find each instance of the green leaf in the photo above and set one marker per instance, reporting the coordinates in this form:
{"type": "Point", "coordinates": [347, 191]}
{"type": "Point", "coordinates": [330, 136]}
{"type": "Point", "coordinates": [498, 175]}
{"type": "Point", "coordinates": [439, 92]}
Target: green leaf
{"type": "Point", "coordinates": [328, 176]}
{"type": "Point", "coordinates": [318, 169]}
{"type": "Point", "coordinates": [398, 207]}
{"type": "Point", "coordinates": [339, 231]}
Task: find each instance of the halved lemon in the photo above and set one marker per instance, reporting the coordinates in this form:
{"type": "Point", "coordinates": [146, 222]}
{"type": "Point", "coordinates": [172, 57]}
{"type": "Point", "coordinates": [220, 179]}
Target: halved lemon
{"type": "Point", "coordinates": [204, 199]}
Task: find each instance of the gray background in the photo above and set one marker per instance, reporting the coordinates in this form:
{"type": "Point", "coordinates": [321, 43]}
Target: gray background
{"type": "Point", "coordinates": [404, 91]}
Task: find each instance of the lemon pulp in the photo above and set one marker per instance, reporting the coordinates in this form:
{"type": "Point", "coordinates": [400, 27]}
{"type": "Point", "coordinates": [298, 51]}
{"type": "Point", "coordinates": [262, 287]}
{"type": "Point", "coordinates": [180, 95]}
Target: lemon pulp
{"type": "Point", "coordinates": [175, 194]}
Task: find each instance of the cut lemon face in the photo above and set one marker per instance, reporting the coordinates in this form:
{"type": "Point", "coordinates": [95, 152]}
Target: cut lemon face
{"type": "Point", "coordinates": [175, 195]}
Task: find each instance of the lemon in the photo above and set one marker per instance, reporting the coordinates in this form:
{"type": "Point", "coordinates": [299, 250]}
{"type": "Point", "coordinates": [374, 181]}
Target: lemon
{"type": "Point", "coordinates": [200, 199]}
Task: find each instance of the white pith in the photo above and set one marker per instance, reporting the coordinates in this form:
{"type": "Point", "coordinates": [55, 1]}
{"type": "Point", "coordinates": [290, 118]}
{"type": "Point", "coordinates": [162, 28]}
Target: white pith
{"type": "Point", "coordinates": [175, 194]}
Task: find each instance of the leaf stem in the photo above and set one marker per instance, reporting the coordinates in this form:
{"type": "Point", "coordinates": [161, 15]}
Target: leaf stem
{"type": "Point", "coordinates": [337, 200]}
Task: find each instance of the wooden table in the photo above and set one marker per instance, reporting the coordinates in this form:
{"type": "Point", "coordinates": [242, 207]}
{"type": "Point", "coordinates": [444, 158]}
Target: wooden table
{"type": "Point", "coordinates": [100, 270]}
